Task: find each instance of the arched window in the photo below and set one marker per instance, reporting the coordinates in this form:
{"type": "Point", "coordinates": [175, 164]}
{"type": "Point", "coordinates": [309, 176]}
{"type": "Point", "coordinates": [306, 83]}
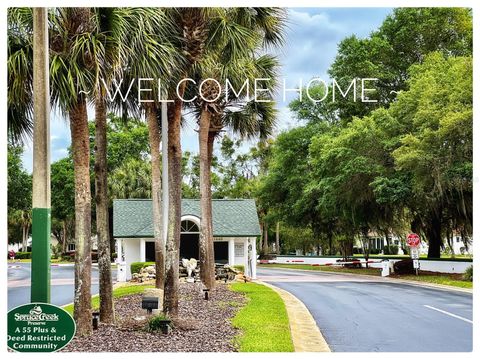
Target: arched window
{"type": "Point", "coordinates": [189, 227]}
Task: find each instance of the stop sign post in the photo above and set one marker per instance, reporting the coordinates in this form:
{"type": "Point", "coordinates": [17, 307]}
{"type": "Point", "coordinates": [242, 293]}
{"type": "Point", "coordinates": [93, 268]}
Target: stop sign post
{"type": "Point", "coordinates": [413, 241]}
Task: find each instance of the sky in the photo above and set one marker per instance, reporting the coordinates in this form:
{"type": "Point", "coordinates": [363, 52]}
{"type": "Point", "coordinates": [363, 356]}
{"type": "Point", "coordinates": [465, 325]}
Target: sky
{"type": "Point", "coordinates": [312, 37]}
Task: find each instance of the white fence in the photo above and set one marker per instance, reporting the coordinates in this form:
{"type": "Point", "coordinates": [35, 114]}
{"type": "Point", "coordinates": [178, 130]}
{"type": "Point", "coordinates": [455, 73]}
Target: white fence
{"type": "Point", "coordinates": [441, 266]}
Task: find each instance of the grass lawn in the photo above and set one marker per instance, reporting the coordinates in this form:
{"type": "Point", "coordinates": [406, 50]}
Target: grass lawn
{"type": "Point", "coordinates": [444, 279]}
{"type": "Point", "coordinates": [117, 293]}
{"type": "Point", "coordinates": [366, 271]}
{"type": "Point", "coordinates": [263, 321]}
{"type": "Point", "coordinates": [423, 256]}
{"type": "Point", "coordinates": [454, 280]}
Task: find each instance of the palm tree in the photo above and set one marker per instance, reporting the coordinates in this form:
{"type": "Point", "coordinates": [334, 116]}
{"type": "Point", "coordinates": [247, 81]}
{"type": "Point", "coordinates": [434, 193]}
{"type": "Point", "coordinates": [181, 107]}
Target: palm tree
{"type": "Point", "coordinates": [22, 218]}
{"type": "Point", "coordinates": [20, 74]}
{"type": "Point", "coordinates": [73, 48]}
{"type": "Point", "coordinates": [111, 26]}
{"type": "Point", "coordinates": [191, 28]}
{"type": "Point", "coordinates": [75, 45]}
{"type": "Point", "coordinates": [236, 62]}
{"type": "Point", "coordinates": [131, 180]}
{"type": "Point", "coordinates": [128, 33]}
{"type": "Point", "coordinates": [151, 52]}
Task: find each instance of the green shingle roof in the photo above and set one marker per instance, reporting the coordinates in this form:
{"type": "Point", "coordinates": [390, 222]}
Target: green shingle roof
{"type": "Point", "coordinates": [231, 217]}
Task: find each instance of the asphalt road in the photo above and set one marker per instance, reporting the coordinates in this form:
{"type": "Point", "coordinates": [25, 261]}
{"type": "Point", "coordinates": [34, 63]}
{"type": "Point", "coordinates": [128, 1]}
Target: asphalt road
{"type": "Point", "coordinates": [369, 314]}
{"type": "Point", "coordinates": [62, 284]}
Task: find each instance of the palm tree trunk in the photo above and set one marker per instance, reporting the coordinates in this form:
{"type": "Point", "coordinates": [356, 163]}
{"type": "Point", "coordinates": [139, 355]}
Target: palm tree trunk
{"type": "Point", "coordinates": [170, 296]}
{"type": "Point", "coordinates": [211, 248]}
{"type": "Point", "coordinates": [24, 238]}
{"type": "Point", "coordinates": [207, 265]}
{"type": "Point", "coordinates": [101, 204]}
{"type": "Point", "coordinates": [83, 260]}
{"type": "Point", "coordinates": [154, 138]}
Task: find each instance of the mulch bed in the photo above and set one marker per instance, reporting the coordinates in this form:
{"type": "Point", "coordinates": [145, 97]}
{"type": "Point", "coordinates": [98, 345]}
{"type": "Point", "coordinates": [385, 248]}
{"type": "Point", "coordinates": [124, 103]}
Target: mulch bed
{"type": "Point", "coordinates": [203, 325]}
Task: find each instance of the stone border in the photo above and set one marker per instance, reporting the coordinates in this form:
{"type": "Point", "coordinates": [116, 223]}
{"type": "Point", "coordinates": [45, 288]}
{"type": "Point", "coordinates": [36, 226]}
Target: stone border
{"type": "Point", "coordinates": [306, 336]}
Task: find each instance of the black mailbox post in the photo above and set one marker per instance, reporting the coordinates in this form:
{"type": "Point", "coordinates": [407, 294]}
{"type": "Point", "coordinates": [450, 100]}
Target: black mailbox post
{"type": "Point", "coordinates": [150, 303]}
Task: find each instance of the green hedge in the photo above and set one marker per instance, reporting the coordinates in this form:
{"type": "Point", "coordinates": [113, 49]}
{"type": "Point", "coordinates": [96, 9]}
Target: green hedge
{"type": "Point", "coordinates": [390, 257]}
{"type": "Point", "coordinates": [468, 275]}
{"type": "Point", "coordinates": [135, 267]}
{"type": "Point", "coordinates": [391, 249]}
{"type": "Point", "coordinates": [23, 255]}
{"type": "Point", "coordinates": [240, 268]}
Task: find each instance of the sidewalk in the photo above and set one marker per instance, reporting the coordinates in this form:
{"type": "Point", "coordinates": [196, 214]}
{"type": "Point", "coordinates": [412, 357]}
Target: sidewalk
{"type": "Point", "coordinates": [306, 336]}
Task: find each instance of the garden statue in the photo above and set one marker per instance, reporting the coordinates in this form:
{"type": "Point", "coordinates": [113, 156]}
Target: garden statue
{"type": "Point", "coordinates": [190, 265]}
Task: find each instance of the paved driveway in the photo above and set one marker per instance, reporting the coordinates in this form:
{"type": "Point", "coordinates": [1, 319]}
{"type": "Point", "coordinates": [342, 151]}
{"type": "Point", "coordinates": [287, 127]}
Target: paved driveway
{"type": "Point", "coordinates": [364, 314]}
{"type": "Point", "coordinates": [62, 284]}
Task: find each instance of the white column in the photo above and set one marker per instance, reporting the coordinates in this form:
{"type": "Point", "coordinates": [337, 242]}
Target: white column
{"type": "Point", "coordinates": [121, 266]}
{"type": "Point", "coordinates": [142, 250]}
{"type": "Point", "coordinates": [119, 250]}
{"type": "Point", "coordinates": [253, 242]}
{"type": "Point", "coordinates": [231, 252]}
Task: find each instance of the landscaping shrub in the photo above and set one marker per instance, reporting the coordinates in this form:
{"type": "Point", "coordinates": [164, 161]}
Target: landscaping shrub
{"type": "Point", "coordinates": [374, 251]}
{"type": "Point", "coordinates": [155, 323]}
{"type": "Point", "coordinates": [56, 251]}
{"type": "Point", "coordinates": [391, 249]}
{"type": "Point", "coordinates": [135, 267]}
{"type": "Point", "coordinates": [68, 258]}
{"type": "Point", "coordinates": [23, 255]}
{"type": "Point", "coordinates": [240, 268]}
{"type": "Point", "coordinates": [468, 275]}
{"type": "Point", "coordinates": [357, 250]}
{"type": "Point", "coordinates": [404, 267]}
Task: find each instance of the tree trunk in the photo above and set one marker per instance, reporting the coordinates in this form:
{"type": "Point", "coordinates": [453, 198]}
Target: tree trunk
{"type": "Point", "coordinates": [24, 238]}
{"type": "Point", "coordinates": [265, 238]}
{"type": "Point", "coordinates": [260, 242]}
{"type": "Point", "coordinates": [170, 297]}
{"type": "Point", "coordinates": [277, 238]}
{"type": "Point", "coordinates": [64, 236]}
{"type": "Point", "coordinates": [434, 235]}
{"type": "Point", "coordinates": [101, 205]}
{"type": "Point", "coordinates": [83, 260]}
{"type": "Point", "coordinates": [207, 261]}
{"type": "Point", "coordinates": [154, 138]}
{"type": "Point", "coordinates": [330, 241]}
{"type": "Point", "coordinates": [211, 251]}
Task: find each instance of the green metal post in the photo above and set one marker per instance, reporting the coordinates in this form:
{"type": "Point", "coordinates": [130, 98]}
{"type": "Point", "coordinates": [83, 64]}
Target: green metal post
{"type": "Point", "coordinates": [40, 255]}
{"type": "Point", "coordinates": [40, 279]}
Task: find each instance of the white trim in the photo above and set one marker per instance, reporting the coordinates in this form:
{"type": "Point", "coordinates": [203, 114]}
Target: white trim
{"type": "Point", "coordinates": [231, 252]}
{"type": "Point", "coordinates": [142, 250]}
{"type": "Point", "coordinates": [189, 217]}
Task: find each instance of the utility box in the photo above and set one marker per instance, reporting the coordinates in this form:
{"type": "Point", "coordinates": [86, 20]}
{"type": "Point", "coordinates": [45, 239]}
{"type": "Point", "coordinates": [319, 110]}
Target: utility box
{"type": "Point", "coordinates": [121, 272]}
{"type": "Point", "coordinates": [385, 268]}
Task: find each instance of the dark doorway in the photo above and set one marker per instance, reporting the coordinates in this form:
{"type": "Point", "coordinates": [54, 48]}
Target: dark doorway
{"type": "Point", "coordinates": [189, 246]}
{"type": "Point", "coordinates": [221, 252]}
{"type": "Point", "coordinates": [150, 251]}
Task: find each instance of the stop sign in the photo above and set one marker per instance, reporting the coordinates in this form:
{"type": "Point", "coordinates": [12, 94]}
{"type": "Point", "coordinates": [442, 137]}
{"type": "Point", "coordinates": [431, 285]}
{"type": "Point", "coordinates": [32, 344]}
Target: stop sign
{"type": "Point", "coordinates": [413, 240]}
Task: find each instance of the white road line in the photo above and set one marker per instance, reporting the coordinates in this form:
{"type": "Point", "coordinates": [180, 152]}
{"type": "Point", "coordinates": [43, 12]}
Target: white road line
{"type": "Point", "coordinates": [450, 314]}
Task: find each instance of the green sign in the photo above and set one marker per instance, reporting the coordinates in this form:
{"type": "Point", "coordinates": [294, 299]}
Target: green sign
{"type": "Point", "coordinates": [39, 327]}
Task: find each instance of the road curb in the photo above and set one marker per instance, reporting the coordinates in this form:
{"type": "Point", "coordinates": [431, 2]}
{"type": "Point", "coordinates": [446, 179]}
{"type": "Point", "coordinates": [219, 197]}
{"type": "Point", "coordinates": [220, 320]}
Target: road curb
{"type": "Point", "coordinates": [306, 335]}
{"type": "Point", "coordinates": [387, 279]}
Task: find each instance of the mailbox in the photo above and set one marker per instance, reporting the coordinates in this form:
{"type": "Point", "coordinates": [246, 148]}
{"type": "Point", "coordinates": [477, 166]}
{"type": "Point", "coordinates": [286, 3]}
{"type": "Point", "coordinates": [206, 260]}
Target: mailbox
{"type": "Point", "coordinates": [150, 303]}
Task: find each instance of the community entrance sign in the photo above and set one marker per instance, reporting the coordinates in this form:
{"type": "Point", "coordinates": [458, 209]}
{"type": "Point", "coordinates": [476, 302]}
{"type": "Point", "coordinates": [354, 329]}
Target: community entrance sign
{"type": "Point", "coordinates": [39, 327]}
